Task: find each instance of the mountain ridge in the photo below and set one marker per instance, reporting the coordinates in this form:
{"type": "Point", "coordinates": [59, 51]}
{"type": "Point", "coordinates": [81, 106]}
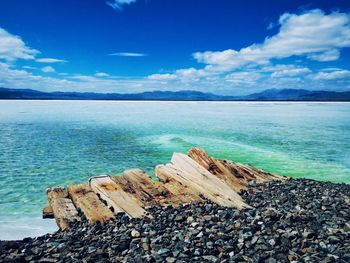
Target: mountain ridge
{"type": "Point", "coordinates": [184, 95]}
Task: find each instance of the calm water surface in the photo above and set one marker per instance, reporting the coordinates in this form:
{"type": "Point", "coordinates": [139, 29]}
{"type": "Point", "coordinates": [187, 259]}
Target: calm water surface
{"type": "Point", "coordinates": [50, 143]}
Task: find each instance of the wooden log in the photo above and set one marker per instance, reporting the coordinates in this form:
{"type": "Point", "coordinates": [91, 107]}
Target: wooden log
{"type": "Point", "coordinates": [63, 208]}
{"type": "Point", "coordinates": [235, 174]}
{"type": "Point", "coordinates": [144, 189]}
{"type": "Point", "coordinates": [47, 212]}
{"type": "Point", "coordinates": [116, 197]}
{"type": "Point", "coordinates": [88, 202]}
{"type": "Point", "coordinates": [186, 171]}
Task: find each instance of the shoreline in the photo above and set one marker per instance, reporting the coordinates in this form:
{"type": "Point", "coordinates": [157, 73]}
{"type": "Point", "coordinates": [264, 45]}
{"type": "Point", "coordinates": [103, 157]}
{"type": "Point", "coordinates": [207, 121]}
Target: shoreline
{"type": "Point", "coordinates": [50, 226]}
{"type": "Point", "coordinates": [15, 229]}
{"type": "Point", "coordinates": [292, 220]}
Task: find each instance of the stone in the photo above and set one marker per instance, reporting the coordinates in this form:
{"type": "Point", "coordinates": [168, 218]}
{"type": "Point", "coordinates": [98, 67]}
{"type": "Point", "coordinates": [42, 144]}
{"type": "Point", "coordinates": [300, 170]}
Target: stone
{"type": "Point", "coordinates": [179, 218]}
{"type": "Point", "coordinates": [190, 219]}
{"type": "Point", "coordinates": [170, 259]}
{"type": "Point", "coordinates": [135, 233]}
{"type": "Point", "coordinates": [163, 251]}
{"type": "Point", "coordinates": [200, 234]}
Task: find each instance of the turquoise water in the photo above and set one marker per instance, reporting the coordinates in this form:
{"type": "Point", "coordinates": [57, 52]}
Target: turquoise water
{"type": "Point", "coordinates": [50, 143]}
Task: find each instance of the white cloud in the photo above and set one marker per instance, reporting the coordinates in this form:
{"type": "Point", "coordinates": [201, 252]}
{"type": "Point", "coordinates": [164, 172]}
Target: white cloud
{"type": "Point", "coordinates": [330, 55]}
{"type": "Point", "coordinates": [190, 73]}
{"type": "Point", "coordinates": [128, 54]}
{"type": "Point", "coordinates": [118, 4]}
{"type": "Point", "coordinates": [29, 67]}
{"type": "Point", "coordinates": [247, 77]}
{"type": "Point", "coordinates": [101, 74]}
{"type": "Point", "coordinates": [163, 77]}
{"type": "Point", "coordinates": [331, 69]}
{"type": "Point", "coordinates": [337, 74]}
{"type": "Point", "coordinates": [14, 78]}
{"type": "Point", "coordinates": [12, 47]}
{"type": "Point", "coordinates": [48, 69]}
{"type": "Point", "coordinates": [313, 34]}
{"type": "Point", "coordinates": [50, 60]}
{"type": "Point", "coordinates": [290, 72]}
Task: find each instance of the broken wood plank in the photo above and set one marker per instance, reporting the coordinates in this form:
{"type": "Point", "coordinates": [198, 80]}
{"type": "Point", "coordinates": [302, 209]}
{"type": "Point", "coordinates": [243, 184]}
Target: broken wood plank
{"type": "Point", "coordinates": [143, 188]}
{"type": "Point", "coordinates": [189, 173]}
{"type": "Point", "coordinates": [261, 175]}
{"type": "Point", "coordinates": [116, 197]}
{"type": "Point", "coordinates": [235, 174]}
{"type": "Point", "coordinates": [218, 168]}
{"type": "Point", "coordinates": [184, 192]}
{"type": "Point", "coordinates": [88, 202]}
{"type": "Point", "coordinates": [63, 208]}
{"type": "Point", "coordinates": [47, 212]}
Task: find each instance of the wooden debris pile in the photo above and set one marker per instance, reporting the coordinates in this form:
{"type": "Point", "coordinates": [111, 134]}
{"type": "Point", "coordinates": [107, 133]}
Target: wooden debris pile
{"type": "Point", "coordinates": [187, 178]}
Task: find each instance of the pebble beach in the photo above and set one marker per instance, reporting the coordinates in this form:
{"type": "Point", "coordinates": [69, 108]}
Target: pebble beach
{"type": "Point", "coordinates": [296, 220]}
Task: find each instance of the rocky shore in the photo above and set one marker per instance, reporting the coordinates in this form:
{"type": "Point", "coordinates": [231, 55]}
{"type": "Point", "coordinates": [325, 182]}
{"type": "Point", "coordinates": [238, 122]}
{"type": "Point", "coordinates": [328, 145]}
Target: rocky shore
{"type": "Point", "coordinates": [295, 220]}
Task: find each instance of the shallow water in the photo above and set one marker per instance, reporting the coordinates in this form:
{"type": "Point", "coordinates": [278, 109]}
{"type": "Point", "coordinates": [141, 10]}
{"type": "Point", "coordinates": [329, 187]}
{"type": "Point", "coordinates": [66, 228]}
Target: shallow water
{"type": "Point", "coordinates": [50, 143]}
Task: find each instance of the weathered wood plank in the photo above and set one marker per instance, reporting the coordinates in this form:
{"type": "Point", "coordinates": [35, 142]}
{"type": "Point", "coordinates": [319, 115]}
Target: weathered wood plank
{"type": "Point", "coordinates": [47, 212]}
{"type": "Point", "coordinates": [63, 208]}
{"type": "Point", "coordinates": [184, 192]}
{"type": "Point", "coordinates": [261, 175]}
{"type": "Point", "coordinates": [235, 174]}
{"type": "Point", "coordinates": [88, 202]}
{"type": "Point", "coordinates": [146, 190]}
{"type": "Point", "coordinates": [218, 168]}
{"type": "Point", "coordinates": [186, 171]}
{"type": "Point", "coordinates": [116, 197]}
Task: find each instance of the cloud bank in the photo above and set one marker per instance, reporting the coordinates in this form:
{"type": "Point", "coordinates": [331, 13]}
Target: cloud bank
{"type": "Point", "coordinates": [312, 36]}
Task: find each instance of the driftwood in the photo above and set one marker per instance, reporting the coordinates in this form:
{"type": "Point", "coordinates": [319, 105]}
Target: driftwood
{"type": "Point", "coordinates": [144, 189]}
{"type": "Point", "coordinates": [62, 207]}
{"type": "Point", "coordinates": [235, 174]}
{"type": "Point", "coordinates": [188, 178]}
{"type": "Point", "coordinates": [186, 171]}
{"type": "Point", "coordinates": [185, 192]}
{"type": "Point", "coordinates": [116, 197]}
{"type": "Point", "coordinates": [87, 201]}
{"type": "Point", "coordinates": [47, 212]}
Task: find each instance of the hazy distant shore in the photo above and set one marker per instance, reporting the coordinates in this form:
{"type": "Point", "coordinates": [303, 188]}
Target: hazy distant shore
{"type": "Point", "coordinates": [184, 95]}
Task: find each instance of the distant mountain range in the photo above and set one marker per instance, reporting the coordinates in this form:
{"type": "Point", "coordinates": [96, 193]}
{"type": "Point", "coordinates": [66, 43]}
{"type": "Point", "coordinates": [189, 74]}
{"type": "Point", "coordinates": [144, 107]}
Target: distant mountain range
{"type": "Point", "coordinates": [185, 95]}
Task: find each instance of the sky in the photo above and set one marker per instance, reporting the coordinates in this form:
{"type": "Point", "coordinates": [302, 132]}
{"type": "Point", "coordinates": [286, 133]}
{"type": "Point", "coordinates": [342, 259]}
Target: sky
{"type": "Point", "coordinates": [223, 46]}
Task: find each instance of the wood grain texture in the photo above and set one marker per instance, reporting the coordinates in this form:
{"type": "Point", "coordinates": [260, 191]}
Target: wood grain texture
{"type": "Point", "coordinates": [148, 191]}
{"type": "Point", "coordinates": [90, 205]}
{"type": "Point", "coordinates": [186, 171]}
{"type": "Point", "coordinates": [167, 174]}
{"type": "Point", "coordinates": [47, 212]}
{"type": "Point", "coordinates": [235, 174]}
{"type": "Point", "coordinates": [116, 197]}
{"type": "Point", "coordinates": [62, 206]}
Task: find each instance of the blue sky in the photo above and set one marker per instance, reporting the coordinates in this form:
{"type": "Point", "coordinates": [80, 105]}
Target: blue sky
{"type": "Point", "coordinates": [222, 46]}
